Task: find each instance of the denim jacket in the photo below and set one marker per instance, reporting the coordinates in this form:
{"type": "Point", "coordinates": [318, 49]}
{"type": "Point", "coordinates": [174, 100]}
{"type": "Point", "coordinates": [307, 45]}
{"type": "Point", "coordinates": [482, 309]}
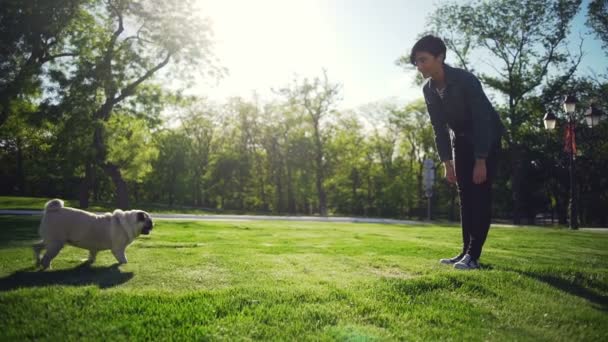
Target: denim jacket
{"type": "Point", "coordinates": [464, 111]}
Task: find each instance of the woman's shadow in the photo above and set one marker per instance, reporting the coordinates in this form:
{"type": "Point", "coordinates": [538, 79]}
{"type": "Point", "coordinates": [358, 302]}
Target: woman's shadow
{"type": "Point", "coordinates": [81, 275]}
{"type": "Point", "coordinates": [592, 291]}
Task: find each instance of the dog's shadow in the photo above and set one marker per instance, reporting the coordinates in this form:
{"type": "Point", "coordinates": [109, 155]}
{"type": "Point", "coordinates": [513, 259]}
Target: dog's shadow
{"type": "Point", "coordinates": [81, 275]}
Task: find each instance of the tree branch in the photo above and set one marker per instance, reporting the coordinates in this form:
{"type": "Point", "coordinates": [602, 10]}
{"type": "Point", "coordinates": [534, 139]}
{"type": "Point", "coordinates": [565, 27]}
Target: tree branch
{"type": "Point", "coordinates": [130, 89]}
{"type": "Point", "coordinates": [59, 55]}
{"type": "Point", "coordinates": [109, 88]}
{"type": "Point", "coordinates": [137, 36]}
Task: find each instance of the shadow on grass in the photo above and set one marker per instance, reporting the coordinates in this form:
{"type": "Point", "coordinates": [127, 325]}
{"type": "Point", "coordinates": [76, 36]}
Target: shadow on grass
{"type": "Point", "coordinates": [18, 231]}
{"type": "Point", "coordinates": [571, 287]}
{"type": "Point", "coordinates": [81, 275]}
{"type": "Point", "coordinates": [570, 284]}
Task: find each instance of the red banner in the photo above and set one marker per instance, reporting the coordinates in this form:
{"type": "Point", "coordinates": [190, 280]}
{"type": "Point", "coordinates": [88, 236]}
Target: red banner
{"type": "Point", "coordinates": [570, 139]}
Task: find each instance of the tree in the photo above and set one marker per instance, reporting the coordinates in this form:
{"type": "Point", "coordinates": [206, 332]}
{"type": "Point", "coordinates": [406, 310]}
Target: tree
{"type": "Point", "coordinates": [597, 19]}
{"type": "Point", "coordinates": [197, 123]}
{"type": "Point", "coordinates": [17, 138]}
{"type": "Point", "coordinates": [162, 31]}
{"type": "Point", "coordinates": [130, 146]}
{"type": "Point", "coordinates": [171, 167]}
{"type": "Point", "coordinates": [317, 99]}
{"type": "Point", "coordinates": [287, 152]}
{"type": "Point", "coordinates": [414, 124]}
{"type": "Point", "coordinates": [346, 154]}
{"type": "Point", "coordinates": [32, 34]}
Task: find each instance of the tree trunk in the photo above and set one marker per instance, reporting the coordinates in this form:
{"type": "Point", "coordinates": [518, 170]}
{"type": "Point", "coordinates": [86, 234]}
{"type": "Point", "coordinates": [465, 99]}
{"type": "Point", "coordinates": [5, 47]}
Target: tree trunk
{"type": "Point", "coordinates": [171, 186]}
{"type": "Point", "coordinates": [85, 186]}
{"type": "Point", "coordinates": [291, 201]}
{"type": "Point", "coordinates": [368, 207]}
{"type": "Point", "coordinates": [355, 183]}
{"type": "Point", "coordinates": [320, 173]}
{"type": "Point", "coordinates": [135, 188]}
{"type": "Point", "coordinates": [279, 189]}
{"type": "Point", "coordinates": [263, 194]}
{"type": "Point", "coordinates": [452, 214]}
{"type": "Point", "coordinates": [20, 172]}
{"type": "Point", "coordinates": [421, 204]}
{"type": "Point", "coordinates": [241, 189]}
{"type": "Point", "coordinates": [516, 178]}
{"type": "Point", "coordinates": [322, 195]}
{"type": "Point", "coordinates": [197, 192]}
{"type": "Point", "coordinates": [122, 194]}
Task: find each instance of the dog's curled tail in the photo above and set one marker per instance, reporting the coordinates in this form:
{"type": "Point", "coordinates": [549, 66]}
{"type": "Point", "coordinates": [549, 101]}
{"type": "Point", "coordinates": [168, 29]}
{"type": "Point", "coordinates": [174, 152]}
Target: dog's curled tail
{"type": "Point", "coordinates": [53, 205]}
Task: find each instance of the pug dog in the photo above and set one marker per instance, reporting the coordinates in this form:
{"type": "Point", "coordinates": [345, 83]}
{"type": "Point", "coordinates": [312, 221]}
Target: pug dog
{"type": "Point", "coordinates": [62, 225]}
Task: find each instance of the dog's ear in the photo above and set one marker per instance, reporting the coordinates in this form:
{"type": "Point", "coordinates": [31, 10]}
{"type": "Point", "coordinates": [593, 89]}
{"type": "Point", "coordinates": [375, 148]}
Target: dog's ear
{"type": "Point", "coordinates": [141, 217]}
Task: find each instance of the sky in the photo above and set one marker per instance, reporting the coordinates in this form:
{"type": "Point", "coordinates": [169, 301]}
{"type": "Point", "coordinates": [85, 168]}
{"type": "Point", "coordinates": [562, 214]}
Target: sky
{"type": "Point", "coordinates": [264, 44]}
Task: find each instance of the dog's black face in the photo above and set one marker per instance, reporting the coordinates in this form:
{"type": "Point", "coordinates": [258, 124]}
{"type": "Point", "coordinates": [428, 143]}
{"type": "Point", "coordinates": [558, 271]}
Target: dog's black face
{"type": "Point", "coordinates": [147, 220]}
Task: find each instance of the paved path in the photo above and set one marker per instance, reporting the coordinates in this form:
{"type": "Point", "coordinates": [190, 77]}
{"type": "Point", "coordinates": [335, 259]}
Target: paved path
{"type": "Point", "coordinates": [247, 218]}
{"type": "Point", "coordinates": [192, 217]}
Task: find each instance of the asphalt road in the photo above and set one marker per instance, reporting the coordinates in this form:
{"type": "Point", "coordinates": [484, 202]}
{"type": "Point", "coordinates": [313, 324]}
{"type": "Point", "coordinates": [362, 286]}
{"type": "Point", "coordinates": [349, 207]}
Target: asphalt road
{"type": "Point", "coordinates": [247, 218]}
{"type": "Point", "coordinates": [192, 217]}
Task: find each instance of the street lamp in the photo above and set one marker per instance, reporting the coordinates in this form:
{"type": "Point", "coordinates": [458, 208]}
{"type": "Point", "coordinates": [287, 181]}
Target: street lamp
{"type": "Point", "coordinates": [570, 102]}
{"type": "Point", "coordinates": [550, 121]}
{"type": "Point", "coordinates": [592, 117]}
{"type": "Point", "coordinates": [428, 178]}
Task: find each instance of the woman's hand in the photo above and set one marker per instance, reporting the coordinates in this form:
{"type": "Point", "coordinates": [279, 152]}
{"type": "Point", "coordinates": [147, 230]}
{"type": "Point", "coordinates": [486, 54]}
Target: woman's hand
{"type": "Point", "coordinates": [479, 171]}
{"type": "Point", "coordinates": [450, 173]}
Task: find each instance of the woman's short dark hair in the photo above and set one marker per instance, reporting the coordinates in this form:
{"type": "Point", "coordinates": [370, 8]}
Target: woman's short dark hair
{"type": "Point", "coordinates": [431, 44]}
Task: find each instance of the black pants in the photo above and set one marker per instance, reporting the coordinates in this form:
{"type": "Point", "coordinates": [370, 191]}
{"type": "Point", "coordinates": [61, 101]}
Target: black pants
{"type": "Point", "coordinates": [475, 199]}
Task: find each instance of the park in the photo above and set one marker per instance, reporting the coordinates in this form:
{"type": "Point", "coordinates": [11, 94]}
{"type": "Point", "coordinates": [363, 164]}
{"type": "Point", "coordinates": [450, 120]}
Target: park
{"type": "Point", "coordinates": [288, 156]}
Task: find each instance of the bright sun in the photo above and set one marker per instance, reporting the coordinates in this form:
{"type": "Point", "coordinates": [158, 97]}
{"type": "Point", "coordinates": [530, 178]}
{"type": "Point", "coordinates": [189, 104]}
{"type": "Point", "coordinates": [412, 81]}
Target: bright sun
{"type": "Point", "coordinates": [262, 42]}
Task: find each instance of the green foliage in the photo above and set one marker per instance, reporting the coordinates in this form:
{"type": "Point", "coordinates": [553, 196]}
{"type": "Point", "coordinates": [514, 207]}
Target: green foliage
{"type": "Point", "coordinates": [32, 34]}
{"type": "Point", "coordinates": [597, 19]}
{"type": "Point", "coordinates": [130, 146]}
{"type": "Point", "coordinates": [524, 39]}
{"type": "Point", "coordinates": [95, 95]}
{"type": "Point", "coordinates": [170, 168]}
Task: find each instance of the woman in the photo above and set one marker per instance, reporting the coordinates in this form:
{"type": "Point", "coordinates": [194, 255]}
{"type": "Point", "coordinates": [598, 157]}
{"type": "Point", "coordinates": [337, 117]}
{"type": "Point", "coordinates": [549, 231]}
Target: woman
{"type": "Point", "coordinates": [462, 115]}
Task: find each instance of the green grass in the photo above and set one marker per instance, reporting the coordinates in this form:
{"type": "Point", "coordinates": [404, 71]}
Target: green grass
{"type": "Point", "coordinates": [308, 281]}
{"type": "Point", "coordinates": [37, 203]}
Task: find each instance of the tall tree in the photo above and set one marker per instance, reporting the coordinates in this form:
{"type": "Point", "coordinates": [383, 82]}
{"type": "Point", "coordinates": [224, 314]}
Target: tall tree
{"type": "Point", "coordinates": [287, 150]}
{"type": "Point", "coordinates": [197, 123]}
{"type": "Point", "coordinates": [159, 32]}
{"type": "Point", "coordinates": [414, 124]}
{"type": "Point", "coordinates": [171, 167]}
{"type": "Point", "coordinates": [32, 34]}
{"type": "Point", "coordinates": [597, 19]}
{"type": "Point", "coordinates": [346, 153]}
{"type": "Point", "coordinates": [317, 98]}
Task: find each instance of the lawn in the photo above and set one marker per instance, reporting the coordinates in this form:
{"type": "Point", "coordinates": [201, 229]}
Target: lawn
{"type": "Point", "coordinates": [308, 281]}
{"type": "Point", "coordinates": [37, 203]}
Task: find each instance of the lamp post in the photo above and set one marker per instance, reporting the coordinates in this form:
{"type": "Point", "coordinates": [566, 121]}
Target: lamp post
{"type": "Point", "coordinates": [592, 117]}
{"type": "Point", "coordinates": [428, 178]}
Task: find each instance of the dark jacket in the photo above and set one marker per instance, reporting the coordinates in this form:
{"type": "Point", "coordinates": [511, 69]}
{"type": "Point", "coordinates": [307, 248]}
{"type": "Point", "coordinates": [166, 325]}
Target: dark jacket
{"type": "Point", "coordinates": [464, 111]}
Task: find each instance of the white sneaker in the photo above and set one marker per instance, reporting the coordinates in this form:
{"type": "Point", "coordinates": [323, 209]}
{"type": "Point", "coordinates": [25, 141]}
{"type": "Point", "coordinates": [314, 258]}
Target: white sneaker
{"type": "Point", "coordinates": [467, 263]}
{"type": "Point", "coordinates": [451, 261]}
